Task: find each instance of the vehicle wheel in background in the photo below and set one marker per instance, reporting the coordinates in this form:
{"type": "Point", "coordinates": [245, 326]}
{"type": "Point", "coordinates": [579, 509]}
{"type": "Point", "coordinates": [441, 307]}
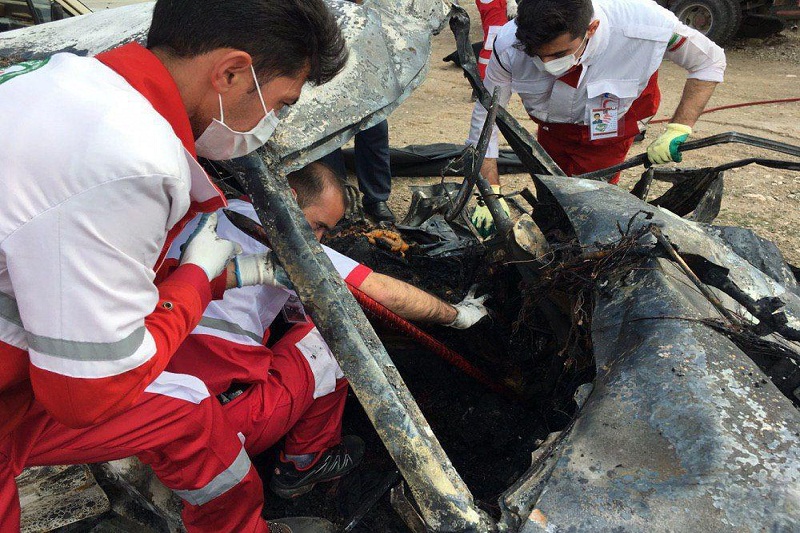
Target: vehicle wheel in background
{"type": "Point", "coordinates": [719, 20]}
{"type": "Point", "coordinates": [760, 26]}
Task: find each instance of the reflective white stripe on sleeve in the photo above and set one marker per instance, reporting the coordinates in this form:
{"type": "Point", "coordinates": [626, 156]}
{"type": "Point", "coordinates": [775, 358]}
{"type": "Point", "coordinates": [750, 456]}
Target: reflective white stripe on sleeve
{"type": "Point", "coordinates": [91, 359]}
{"type": "Point", "coordinates": [225, 481]}
{"type": "Point", "coordinates": [180, 386]}
{"type": "Point", "coordinates": [228, 331]}
{"type": "Point", "coordinates": [11, 330]}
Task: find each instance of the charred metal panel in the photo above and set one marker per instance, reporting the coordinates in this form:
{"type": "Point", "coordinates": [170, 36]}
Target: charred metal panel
{"type": "Point", "coordinates": [597, 210]}
{"type": "Point", "coordinates": [682, 432]}
{"type": "Point", "coordinates": [56, 496]}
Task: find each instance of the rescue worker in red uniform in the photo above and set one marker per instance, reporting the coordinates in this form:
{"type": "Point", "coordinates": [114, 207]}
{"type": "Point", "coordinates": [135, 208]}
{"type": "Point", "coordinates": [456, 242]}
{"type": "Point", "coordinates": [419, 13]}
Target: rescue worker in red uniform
{"type": "Point", "coordinates": [294, 388]}
{"type": "Point", "coordinates": [88, 322]}
{"type": "Point", "coordinates": [494, 15]}
{"type": "Point", "coordinates": [572, 59]}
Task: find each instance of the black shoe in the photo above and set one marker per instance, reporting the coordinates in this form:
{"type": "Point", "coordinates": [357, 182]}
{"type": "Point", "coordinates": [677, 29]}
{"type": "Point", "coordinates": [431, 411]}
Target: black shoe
{"type": "Point", "coordinates": [301, 524]}
{"type": "Point", "coordinates": [288, 481]}
{"type": "Point", "coordinates": [380, 212]}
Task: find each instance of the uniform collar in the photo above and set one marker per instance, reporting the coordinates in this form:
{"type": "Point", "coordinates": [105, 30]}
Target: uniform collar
{"type": "Point", "coordinates": [598, 42]}
{"type": "Point", "coordinates": [148, 75]}
{"type": "Point", "coordinates": [145, 73]}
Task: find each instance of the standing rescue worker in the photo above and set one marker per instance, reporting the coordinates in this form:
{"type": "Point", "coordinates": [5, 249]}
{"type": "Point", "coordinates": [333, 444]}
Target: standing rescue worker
{"type": "Point", "coordinates": [572, 59]}
{"type": "Point", "coordinates": [87, 320]}
{"type": "Point", "coordinates": [494, 15]}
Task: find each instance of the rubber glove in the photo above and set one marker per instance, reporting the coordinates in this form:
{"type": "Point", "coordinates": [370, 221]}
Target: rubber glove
{"type": "Point", "coordinates": [511, 9]}
{"type": "Point", "coordinates": [259, 269]}
{"type": "Point", "coordinates": [470, 310]}
{"type": "Point", "coordinates": [482, 218]}
{"type": "Point", "coordinates": [208, 250]}
{"type": "Point", "coordinates": [665, 148]}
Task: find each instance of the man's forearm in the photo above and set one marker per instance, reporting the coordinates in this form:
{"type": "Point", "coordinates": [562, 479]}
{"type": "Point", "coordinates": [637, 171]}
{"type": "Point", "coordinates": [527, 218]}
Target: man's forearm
{"type": "Point", "coordinates": [696, 94]}
{"type": "Point", "coordinates": [406, 300]}
{"type": "Point", "coordinates": [490, 172]}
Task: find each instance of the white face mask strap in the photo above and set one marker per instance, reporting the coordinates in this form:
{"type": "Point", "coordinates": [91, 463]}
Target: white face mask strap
{"type": "Point", "coordinates": [584, 41]}
{"type": "Point", "coordinates": [221, 112]}
{"type": "Point", "coordinates": [258, 89]}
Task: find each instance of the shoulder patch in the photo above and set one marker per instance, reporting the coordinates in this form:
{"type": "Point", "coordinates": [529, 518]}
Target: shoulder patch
{"type": "Point", "coordinates": [18, 69]}
{"type": "Point", "coordinates": [675, 42]}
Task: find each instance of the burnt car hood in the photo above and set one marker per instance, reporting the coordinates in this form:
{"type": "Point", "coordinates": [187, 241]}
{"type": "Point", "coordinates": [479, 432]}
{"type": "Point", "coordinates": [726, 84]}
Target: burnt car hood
{"type": "Point", "coordinates": [682, 430]}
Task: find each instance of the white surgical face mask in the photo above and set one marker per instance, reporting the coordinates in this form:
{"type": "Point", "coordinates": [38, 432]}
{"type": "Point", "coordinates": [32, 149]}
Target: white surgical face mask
{"type": "Point", "coordinates": [219, 142]}
{"type": "Point", "coordinates": [560, 66]}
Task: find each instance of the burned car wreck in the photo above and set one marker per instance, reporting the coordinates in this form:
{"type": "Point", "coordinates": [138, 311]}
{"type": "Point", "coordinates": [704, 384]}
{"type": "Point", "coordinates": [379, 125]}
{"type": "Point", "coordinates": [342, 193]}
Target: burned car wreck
{"type": "Point", "coordinates": [640, 372]}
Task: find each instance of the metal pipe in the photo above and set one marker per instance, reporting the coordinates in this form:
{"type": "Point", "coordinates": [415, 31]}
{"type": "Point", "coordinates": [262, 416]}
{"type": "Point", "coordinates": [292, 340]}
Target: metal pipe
{"type": "Point", "coordinates": [531, 154]}
{"type": "Point", "coordinates": [502, 221]}
{"type": "Point", "coordinates": [444, 499]}
{"type": "Point", "coordinates": [710, 296]}
{"type": "Point", "coordinates": [472, 164]}
{"type": "Point", "coordinates": [713, 140]}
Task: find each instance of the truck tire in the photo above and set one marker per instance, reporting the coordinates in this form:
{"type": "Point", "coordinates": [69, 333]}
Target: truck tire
{"type": "Point", "coordinates": [719, 20]}
{"type": "Point", "coordinates": [760, 26]}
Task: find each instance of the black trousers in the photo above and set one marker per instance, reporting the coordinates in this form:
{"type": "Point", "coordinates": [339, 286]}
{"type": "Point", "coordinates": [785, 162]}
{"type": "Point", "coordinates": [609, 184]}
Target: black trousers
{"type": "Point", "coordinates": [373, 169]}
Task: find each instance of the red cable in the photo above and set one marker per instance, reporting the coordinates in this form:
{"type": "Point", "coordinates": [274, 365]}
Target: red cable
{"type": "Point", "coordinates": [734, 106]}
{"type": "Point", "coordinates": [398, 323]}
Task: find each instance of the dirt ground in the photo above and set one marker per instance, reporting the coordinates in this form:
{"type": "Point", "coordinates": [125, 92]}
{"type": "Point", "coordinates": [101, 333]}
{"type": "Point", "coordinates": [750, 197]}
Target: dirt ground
{"type": "Point", "coordinates": [765, 200]}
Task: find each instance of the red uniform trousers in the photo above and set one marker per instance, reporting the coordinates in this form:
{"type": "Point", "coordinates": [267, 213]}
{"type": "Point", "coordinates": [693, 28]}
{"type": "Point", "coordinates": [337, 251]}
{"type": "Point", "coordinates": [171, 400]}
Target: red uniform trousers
{"type": "Point", "coordinates": [284, 404]}
{"type": "Point", "coordinates": [572, 149]}
{"type": "Point", "coordinates": [493, 15]}
{"type": "Point", "coordinates": [188, 443]}
{"type": "Point", "coordinates": [569, 147]}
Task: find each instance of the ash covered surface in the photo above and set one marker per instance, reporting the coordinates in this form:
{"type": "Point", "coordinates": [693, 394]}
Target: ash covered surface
{"type": "Point", "coordinates": [488, 438]}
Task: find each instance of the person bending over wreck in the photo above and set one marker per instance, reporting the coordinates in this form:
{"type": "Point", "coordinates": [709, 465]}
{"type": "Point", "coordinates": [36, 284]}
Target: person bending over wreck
{"type": "Point", "coordinates": [88, 320]}
{"type": "Point", "coordinates": [571, 59]}
{"type": "Point", "coordinates": [294, 388]}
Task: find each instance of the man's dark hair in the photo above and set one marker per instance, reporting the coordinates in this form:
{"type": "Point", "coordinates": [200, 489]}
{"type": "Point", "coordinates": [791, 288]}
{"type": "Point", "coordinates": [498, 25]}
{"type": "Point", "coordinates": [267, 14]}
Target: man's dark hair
{"type": "Point", "coordinates": [541, 21]}
{"type": "Point", "coordinates": [282, 36]}
{"type": "Point", "coordinates": [310, 181]}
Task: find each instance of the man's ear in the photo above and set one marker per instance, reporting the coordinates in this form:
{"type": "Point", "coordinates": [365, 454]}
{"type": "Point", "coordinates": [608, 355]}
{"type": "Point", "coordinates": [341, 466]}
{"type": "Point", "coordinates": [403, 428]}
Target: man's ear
{"type": "Point", "coordinates": [294, 194]}
{"type": "Point", "coordinates": [231, 69]}
{"type": "Point", "coordinates": [593, 27]}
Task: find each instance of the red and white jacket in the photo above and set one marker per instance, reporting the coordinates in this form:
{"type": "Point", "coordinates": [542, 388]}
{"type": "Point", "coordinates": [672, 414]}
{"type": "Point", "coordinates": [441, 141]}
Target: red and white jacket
{"type": "Point", "coordinates": [633, 38]}
{"type": "Point", "coordinates": [99, 173]}
{"type": "Point", "coordinates": [494, 15]}
{"type": "Point", "coordinates": [228, 345]}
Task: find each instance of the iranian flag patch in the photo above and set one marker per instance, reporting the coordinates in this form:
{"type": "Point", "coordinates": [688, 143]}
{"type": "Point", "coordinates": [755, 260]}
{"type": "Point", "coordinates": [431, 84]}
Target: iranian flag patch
{"type": "Point", "coordinates": [18, 69]}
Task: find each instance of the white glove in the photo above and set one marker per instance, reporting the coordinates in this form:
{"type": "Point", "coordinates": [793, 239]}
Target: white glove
{"type": "Point", "coordinates": [206, 249]}
{"type": "Point", "coordinates": [470, 310]}
{"type": "Point", "coordinates": [259, 269]}
{"type": "Point", "coordinates": [511, 9]}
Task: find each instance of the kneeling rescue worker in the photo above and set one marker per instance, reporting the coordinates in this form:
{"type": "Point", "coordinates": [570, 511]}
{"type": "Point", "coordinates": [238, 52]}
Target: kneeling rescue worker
{"type": "Point", "coordinates": [88, 319]}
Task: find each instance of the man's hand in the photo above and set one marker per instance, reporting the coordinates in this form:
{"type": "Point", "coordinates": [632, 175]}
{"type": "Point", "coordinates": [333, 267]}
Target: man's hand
{"type": "Point", "coordinates": [470, 310]}
{"type": "Point", "coordinates": [259, 269]}
{"type": "Point", "coordinates": [667, 147]}
{"type": "Point", "coordinates": [482, 218]}
{"type": "Point", "coordinates": [511, 9]}
{"type": "Point", "coordinates": [206, 249]}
